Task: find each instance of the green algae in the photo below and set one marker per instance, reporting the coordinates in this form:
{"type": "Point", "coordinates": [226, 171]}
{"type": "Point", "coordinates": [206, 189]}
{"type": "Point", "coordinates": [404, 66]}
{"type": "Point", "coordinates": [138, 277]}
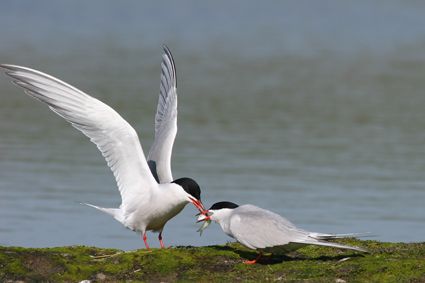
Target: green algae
{"type": "Point", "coordinates": [385, 262]}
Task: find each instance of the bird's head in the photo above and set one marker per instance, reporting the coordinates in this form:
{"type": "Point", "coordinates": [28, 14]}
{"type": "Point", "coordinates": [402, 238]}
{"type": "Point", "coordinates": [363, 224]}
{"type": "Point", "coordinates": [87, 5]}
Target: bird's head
{"type": "Point", "coordinates": [216, 212]}
{"type": "Point", "coordinates": [193, 192]}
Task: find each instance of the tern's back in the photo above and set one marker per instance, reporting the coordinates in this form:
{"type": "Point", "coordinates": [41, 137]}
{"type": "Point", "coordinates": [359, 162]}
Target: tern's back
{"type": "Point", "coordinates": [258, 228]}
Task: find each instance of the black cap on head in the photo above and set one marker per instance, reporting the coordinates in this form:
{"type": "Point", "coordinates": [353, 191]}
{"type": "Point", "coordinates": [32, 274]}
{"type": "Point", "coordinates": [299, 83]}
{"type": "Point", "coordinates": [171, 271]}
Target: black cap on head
{"type": "Point", "coordinates": [190, 186]}
{"type": "Point", "coordinates": [223, 204]}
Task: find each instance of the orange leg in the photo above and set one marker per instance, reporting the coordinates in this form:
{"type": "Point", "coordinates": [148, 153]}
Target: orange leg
{"type": "Point", "coordinates": [145, 239]}
{"type": "Point", "coordinates": [254, 261]}
{"type": "Point", "coordinates": [160, 240]}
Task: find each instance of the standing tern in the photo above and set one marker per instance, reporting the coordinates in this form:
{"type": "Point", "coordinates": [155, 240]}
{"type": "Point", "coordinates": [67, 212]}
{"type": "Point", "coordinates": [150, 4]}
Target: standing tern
{"type": "Point", "coordinates": [263, 230]}
{"type": "Point", "coordinates": [148, 198]}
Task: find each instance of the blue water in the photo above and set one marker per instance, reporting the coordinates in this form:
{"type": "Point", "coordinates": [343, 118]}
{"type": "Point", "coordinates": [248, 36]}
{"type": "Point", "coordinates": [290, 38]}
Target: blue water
{"type": "Point", "coordinates": [311, 109]}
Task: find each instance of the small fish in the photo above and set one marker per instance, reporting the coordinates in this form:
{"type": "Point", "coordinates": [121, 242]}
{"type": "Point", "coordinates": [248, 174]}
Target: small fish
{"type": "Point", "coordinates": [203, 227]}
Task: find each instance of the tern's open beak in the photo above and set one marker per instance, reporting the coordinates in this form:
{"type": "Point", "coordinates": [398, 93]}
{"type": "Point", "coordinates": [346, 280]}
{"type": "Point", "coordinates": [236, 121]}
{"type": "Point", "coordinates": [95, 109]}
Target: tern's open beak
{"type": "Point", "coordinates": [203, 217]}
{"type": "Point", "coordinates": [198, 204]}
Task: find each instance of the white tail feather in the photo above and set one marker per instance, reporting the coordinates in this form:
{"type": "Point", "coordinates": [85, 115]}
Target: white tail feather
{"type": "Point", "coordinates": [327, 244]}
{"type": "Point", "coordinates": [323, 236]}
{"type": "Point", "coordinates": [114, 212]}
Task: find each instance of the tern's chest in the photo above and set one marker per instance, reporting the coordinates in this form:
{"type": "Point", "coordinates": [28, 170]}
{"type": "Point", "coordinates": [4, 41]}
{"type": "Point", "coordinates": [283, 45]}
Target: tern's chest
{"type": "Point", "coordinates": [161, 215]}
{"type": "Point", "coordinates": [225, 226]}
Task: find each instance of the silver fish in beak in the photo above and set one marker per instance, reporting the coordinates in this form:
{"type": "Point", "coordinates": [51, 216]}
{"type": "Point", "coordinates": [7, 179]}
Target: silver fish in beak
{"type": "Point", "coordinates": [207, 222]}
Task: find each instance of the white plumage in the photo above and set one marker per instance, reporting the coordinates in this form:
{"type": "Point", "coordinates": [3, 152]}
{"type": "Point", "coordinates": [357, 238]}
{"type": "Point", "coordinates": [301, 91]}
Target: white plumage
{"type": "Point", "coordinates": [263, 230]}
{"type": "Point", "coordinates": [149, 199]}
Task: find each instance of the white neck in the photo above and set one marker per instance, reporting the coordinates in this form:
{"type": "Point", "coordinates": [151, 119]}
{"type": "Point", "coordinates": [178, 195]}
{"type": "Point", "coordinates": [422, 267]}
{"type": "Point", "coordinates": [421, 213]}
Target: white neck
{"type": "Point", "coordinates": [222, 217]}
{"type": "Point", "coordinates": [172, 194]}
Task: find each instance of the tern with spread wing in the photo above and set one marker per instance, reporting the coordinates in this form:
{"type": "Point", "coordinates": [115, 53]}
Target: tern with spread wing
{"type": "Point", "coordinates": [149, 195]}
{"type": "Point", "coordinates": [263, 230]}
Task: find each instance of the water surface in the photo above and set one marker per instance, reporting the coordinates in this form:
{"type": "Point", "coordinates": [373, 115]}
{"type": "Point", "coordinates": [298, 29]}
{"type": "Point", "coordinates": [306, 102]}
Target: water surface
{"type": "Point", "coordinates": [314, 111]}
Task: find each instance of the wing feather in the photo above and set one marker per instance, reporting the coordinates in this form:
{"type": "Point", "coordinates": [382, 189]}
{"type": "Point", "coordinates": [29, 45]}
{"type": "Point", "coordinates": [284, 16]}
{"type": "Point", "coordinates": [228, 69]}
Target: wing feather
{"type": "Point", "coordinates": [258, 228]}
{"type": "Point", "coordinates": [159, 158]}
{"type": "Point", "coordinates": [115, 138]}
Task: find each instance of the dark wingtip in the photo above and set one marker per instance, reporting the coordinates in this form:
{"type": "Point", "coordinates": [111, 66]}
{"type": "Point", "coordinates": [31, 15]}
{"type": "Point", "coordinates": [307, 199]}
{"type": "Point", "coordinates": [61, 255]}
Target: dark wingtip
{"type": "Point", "coordinates": [170, 55]}
{"type": "Point", "coordinates": [168, 52]}
{"type": "Point", "coordinates": [166, 49]}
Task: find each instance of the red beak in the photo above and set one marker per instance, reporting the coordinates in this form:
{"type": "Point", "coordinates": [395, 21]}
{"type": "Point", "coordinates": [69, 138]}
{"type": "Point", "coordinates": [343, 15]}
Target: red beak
{"type": "Point", "coordinates": [198, 204]}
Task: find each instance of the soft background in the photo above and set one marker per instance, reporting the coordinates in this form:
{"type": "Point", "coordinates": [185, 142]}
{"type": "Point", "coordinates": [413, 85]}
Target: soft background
{"type": "Point", "coordinates": [313, 109]}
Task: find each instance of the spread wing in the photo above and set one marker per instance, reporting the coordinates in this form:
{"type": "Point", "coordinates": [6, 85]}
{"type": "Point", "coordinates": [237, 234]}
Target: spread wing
{"type": "Point", "coordinates": [159, 158]}
{"type": "Point", "coordinates": [115, 138]}
{"type": "Point", "coordinates": [257, 228]}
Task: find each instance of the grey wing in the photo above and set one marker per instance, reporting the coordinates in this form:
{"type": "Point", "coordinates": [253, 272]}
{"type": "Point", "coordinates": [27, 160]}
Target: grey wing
{"type": "Point", "coordinates": [258, 228]}
{"type": "Point", "coordinates": [114, 137]}
{"type": "Point", "coordinates": [159, 158]}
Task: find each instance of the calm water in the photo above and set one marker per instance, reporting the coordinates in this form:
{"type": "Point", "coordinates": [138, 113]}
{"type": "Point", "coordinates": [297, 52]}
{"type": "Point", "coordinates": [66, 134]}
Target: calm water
{"type": "Point", "coordinates": [315, 111]}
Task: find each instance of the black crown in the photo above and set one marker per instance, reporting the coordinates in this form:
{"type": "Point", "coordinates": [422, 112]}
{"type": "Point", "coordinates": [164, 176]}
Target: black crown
{"type": "Point", "coordinates": [223, 204]}
{"type": "Point", "coordinates": [190, 186]}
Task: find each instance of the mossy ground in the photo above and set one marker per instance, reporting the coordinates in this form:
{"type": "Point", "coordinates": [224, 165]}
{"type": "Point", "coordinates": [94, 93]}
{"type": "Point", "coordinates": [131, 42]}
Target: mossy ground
{"type": "Point", "coordinates": [386, 262]}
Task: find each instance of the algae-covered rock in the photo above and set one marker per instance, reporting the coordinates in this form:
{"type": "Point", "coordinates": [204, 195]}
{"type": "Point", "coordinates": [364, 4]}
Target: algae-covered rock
{"type": "Point", "coordinates": [386, 262]}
